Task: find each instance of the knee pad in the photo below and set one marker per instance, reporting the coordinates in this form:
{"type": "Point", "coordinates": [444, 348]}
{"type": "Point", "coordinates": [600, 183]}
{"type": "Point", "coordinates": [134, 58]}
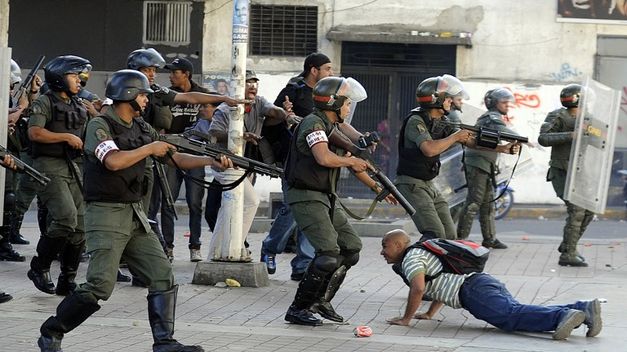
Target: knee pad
{"type": "Point", "coordinates": [325, 264]}
{"type": "Point", "coordinates": [472, 207]}
{"type": "Point", "coordinates": [9, 201]}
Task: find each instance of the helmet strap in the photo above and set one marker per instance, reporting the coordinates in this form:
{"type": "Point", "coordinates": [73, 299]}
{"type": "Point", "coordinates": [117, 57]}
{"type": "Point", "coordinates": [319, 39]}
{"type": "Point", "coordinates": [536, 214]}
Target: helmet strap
{"type": "Point", "coordinates": [135, 105]}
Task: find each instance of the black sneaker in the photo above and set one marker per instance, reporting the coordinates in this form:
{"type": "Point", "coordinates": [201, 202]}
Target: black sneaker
{"type": "Point", "coordinates": [270, 263]}
{"type": "Point", "coordinates": [495, 243]}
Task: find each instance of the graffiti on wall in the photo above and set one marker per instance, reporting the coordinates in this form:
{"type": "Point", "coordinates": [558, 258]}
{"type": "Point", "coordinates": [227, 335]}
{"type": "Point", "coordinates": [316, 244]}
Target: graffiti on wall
{"type": "Point", "coordinates": [566, 73]}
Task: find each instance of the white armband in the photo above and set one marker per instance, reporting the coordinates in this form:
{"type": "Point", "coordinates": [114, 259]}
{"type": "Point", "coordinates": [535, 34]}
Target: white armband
{"type": "Point", "coordinates": [104, 148]}
{"type": "Point", "coordinates": [316, 137]}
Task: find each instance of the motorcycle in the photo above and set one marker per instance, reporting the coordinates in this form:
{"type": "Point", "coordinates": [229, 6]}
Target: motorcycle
{"type": "Point", "coordinates": [504, 204]}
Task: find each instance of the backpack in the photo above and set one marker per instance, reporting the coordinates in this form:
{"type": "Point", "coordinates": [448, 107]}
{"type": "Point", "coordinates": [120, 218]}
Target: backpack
{"type": "Point", "coordinates": [457, 256]}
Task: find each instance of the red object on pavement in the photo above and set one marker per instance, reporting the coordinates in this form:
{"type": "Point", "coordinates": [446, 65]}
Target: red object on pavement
{"type": "Point", "coordinates": [363, 331]}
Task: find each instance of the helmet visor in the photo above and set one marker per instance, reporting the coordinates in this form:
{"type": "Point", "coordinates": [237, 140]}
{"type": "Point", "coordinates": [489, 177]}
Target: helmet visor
{"type": "Point", "coordinates": [452, 86]}
{"type": "Point", "coordinates": [353, 90]}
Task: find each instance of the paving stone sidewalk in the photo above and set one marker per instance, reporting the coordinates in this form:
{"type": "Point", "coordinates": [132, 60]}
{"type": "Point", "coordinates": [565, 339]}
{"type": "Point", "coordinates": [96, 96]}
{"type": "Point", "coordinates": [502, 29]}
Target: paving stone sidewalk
{"type": "Point", "coordinates": [238, 319]}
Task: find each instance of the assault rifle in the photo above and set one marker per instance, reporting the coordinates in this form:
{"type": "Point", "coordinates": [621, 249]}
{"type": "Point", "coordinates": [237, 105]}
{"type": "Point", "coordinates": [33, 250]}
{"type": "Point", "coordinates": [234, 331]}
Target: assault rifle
{"type": "Point", "coordinates": [199, 146]}
{"type": "Point", "coordinates": [23, 168]}
{"type": "Point", "coordinates": [27, 81]}
{"type": "Point", "coordinates": [340, 140]}
{"type": "Point", "coordinates": [488, 137]}
{"type": "Point", "coordinates": [164, 186]}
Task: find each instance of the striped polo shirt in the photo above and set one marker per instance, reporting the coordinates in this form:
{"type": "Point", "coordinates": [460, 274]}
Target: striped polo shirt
{"type": "Point", "coordinates": [445, 288]}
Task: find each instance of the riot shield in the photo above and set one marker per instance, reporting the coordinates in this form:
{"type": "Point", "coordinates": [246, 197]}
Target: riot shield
{"type": "Point", "coordinates": [451, 182]}
{"type": "Point", "coordinates": [591, 154]}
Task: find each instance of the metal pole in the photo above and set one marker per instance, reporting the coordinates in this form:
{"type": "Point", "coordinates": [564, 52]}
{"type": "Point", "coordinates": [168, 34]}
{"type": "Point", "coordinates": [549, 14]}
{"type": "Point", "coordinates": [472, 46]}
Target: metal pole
{"type": "Point", "coordinates": [227, 243]}
{"type": "Point", "coordinates": [5, 69]}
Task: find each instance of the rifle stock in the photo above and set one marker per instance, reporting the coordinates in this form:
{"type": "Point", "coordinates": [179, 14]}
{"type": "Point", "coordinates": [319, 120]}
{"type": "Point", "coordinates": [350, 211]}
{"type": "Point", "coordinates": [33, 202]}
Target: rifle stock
{"type": "Point", "coordinates": [23, 168]}
{"type": "Point", "coordinates": [200, 146]}
{"type": "Point", "coordinates": [29, 78]}
{"type": "Point", "coordinates": [165, 187]}
{"type": "Point", "coordinates": [340, 140]}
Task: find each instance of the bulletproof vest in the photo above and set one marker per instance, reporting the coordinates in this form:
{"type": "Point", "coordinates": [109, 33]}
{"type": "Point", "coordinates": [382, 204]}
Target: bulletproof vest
{"type": "Point", "coordinates": [156, 113]}
{"type": "Point", "coordinates": [66, 118]}
{"type": "Point", "coordinates": [303, 171]}
{"type": "Point", "coordinates": [560, 154]}
{"type": "Point", "coordinates": [411, 161]}
{"type": "Point", "coordinates": [303, 102]}
{"type": "Point", "coordinates": [122, 186]}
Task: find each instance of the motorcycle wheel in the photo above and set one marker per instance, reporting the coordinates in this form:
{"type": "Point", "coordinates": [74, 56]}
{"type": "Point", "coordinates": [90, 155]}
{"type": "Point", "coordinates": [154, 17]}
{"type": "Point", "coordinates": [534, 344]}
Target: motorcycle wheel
{"type": "Point", "coordinates": [503, 205]}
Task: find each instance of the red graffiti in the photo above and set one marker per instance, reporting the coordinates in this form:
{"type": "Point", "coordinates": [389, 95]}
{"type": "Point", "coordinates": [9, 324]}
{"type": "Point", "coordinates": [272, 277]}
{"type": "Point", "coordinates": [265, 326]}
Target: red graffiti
{"type": "Point", "coordinates": [623, 100]}
{"type": "Point", "coordinates": [527, 100]}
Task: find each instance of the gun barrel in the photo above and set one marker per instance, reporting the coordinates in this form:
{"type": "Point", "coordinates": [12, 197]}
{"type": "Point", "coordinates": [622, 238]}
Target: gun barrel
{"type": "Point", "coordinates": [203, 148]}
{"type": "Point", "coordinates": [504, 135]}
{"type": "Point", "coordinates": [29, 78]}
{"type": "Point", "coordinates": [22, 167]}
{"type": "Point", "coordinates": [387, 184]}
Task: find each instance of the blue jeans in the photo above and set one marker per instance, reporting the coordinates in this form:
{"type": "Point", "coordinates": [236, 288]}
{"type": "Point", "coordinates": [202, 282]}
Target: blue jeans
{"type": "Point", "coordinates": [279, 233]}
{"type": "Point", "coordinates": [487, 299]}
{"type": "Point", "coordinates": [193, 194]}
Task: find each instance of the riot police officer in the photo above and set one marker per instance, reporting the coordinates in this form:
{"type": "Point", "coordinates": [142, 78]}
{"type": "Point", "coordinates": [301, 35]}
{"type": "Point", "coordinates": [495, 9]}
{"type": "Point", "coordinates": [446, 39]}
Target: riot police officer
{"type": "Point", "coordinates": [421, 141]}
{"type": "Point", "coordinates": [312, 171]}
{"type": "Point", "coordinates": [480, 167]}
{"type": "Point", "coordinates": [55, 127]}
{"type": "Point", "coordinates": [116, 147]}
{"type": "Point", "coordinates": [557, 132]}
{"type": "Point", "coordinates": [159, 115]}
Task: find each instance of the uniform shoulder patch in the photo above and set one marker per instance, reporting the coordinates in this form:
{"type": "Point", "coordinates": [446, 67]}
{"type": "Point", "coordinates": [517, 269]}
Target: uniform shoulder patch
{"type": "Point", "coordinates": [422, 128]}
{"type": "Point", "coordinates": [36, 109]}
{"type": "Point", "coordinates": [102, 135]}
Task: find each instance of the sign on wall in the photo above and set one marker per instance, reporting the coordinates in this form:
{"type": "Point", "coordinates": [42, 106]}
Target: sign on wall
{"type": "Point", "coordinates": [592, 11]}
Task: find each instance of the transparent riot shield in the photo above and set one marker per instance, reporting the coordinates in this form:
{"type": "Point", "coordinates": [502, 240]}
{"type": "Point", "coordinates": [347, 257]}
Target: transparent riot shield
{"type": "Point", "coordinates": [451, 182]}
{"type": "Point", "coordinates": [591, 154]}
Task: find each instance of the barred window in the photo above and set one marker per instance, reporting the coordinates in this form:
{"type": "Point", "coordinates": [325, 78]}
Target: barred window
{"type": "Point", "coordinates": [167, 22]}
{"type": "Point", "coordinates": [283, 30]}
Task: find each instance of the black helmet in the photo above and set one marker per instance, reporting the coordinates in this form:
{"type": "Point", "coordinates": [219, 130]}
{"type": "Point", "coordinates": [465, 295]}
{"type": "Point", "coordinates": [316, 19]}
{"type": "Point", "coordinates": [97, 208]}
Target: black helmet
{"type": "Point", "coordinates": [55, 71]}
{"type": "Point", "coordinates": [570, 95]}
{"type": "Point", "coordinates": [16, 73]}
{"type": "Point", "coordinates": [432, 91]}
{"type": "Point", "coordinates": [126, 85]}
{"type": "Point", "coordinates": [144, 58]}
{"type": "Point", "coordinates": [331, 92]}
{"type": "Point", "coordinates": [495, 96]}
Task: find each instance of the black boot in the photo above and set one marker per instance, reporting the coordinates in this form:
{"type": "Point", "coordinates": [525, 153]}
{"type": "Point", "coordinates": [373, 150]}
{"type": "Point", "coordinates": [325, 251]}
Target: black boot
{"type": "Point", "coordinates": [71, 312]}
{"type": "Point", "coordinates": [7, 253]}
{"type": "Point", "coordinates": [5, 297]}
{"type": "Point", "coordinates": [39, 273]}
{"type": "Point", "coordinates": [308, 292]}
{"type": "Point", "coordinates": [122, 277]}
{"type": "Point", "coordinates": [16, 225]}
{"type": "Point", "coordinates": [42, 217]}
{"type": "Point", "coordinates": [70, 258]}
{"type": "Point", "coordinates": [323, 305]}
{"type": "Point", "coordinates": [161, 309]}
